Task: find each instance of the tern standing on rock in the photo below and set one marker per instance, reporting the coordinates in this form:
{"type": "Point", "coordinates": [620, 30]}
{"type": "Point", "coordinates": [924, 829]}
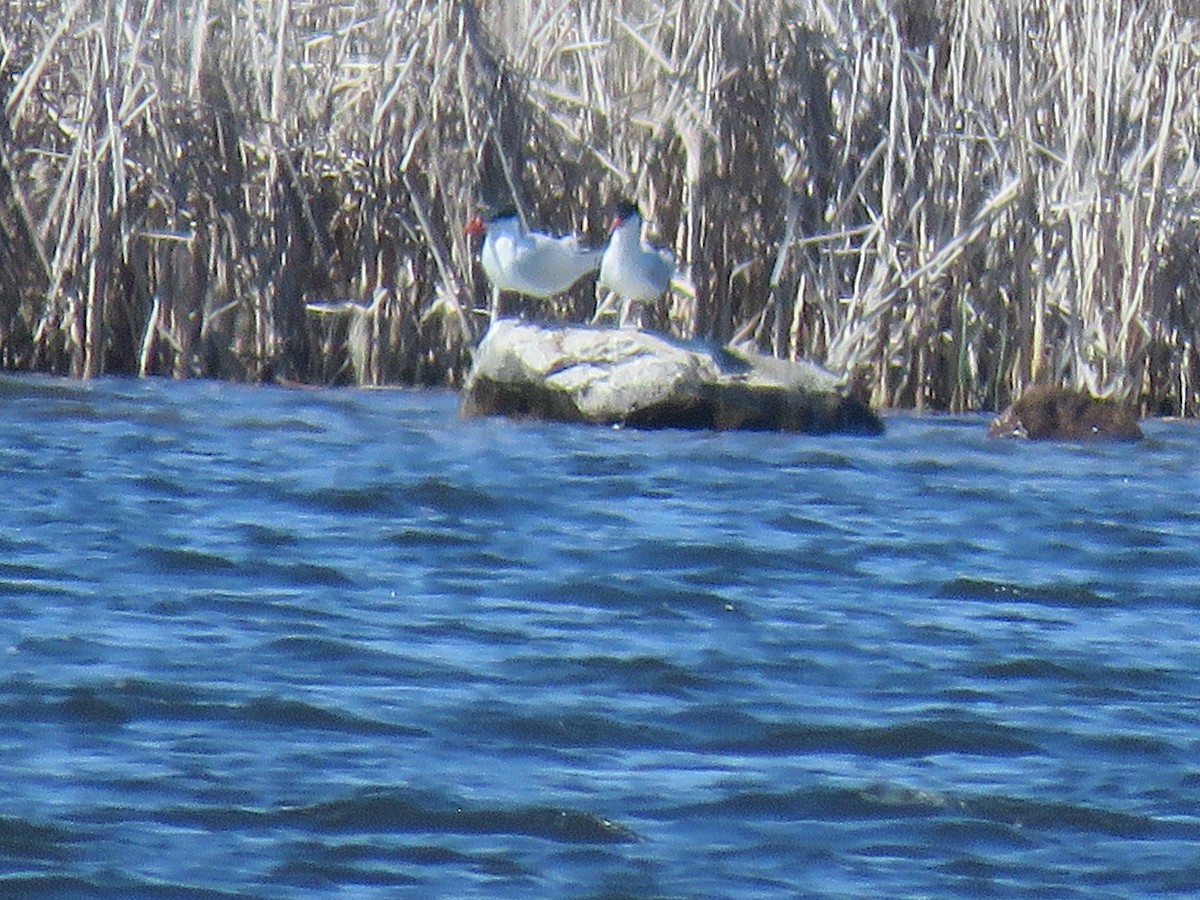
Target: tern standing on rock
{"type": "Point", "coordinates": [529, 262]}
{"type": "Point", "coordinates": [631, 268]}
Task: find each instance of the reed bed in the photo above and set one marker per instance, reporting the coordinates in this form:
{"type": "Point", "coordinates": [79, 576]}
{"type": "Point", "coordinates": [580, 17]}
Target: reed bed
{"type": "Point", "coordinates": [946, 200]}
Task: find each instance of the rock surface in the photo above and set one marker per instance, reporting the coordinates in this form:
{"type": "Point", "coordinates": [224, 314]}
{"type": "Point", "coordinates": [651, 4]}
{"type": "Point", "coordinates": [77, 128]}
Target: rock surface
{"type": "Point", "coordinates": [1065, 414]}
{"type": "Point", "coordinates": [611, 376]}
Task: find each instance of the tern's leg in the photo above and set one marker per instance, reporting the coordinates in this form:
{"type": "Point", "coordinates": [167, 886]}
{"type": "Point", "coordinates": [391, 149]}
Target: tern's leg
{"type": "Point", "coordinates": [604, 306]}
{"type": "Point", "coordinates": [623, 319]}
{"type": "Point", "coordinates": [632, 312]}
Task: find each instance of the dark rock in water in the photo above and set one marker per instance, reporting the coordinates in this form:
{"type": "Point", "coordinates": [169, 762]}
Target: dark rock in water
{"type": "Point", "coordinates": [641, 379]}
{"type": "Point", "coordinates": [1065, 414]}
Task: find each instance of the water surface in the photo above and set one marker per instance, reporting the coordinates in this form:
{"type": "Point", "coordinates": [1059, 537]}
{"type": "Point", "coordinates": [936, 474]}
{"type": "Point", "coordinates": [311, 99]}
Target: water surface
{"type": "Point", "coordinates": [275, 643]}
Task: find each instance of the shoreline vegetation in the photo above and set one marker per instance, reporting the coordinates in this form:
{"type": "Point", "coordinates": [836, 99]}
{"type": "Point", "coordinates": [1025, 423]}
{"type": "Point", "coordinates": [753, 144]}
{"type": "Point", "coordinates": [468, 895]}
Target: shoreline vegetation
{"type": "Point", "coordinates": [949, 200]}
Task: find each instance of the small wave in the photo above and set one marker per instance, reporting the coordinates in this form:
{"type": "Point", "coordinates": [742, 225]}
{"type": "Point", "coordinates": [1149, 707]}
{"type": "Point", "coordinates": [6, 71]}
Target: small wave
{"type": "Point", "coordinates": [906, 740]}
{"type": "Point", "coordinates": [88, 706]}
{"type": "Point", "coordinates": [572, 730]}
{"type": "Point", "coordinates": [1089, 676]}
{"type": "Point", "coordinates": [834, 804]}
{"type": "Point", "coordinates": [183, 561]}
{"type": "Point", "coordinates": [371, 498]}
{"type": "Point", "coordinates": [267, 537]}
{"type": "Point", "coordinates": [41, 388]}
{"type": "Point", "coordinates": [981, 589]}
{"type": "Point", "coordinates": [107, 886]}
{"type": "Point", "coordinates": [982, 835]}
{"type": "Point", "coordinates": [1040, 814]}
{"type": "Point", "coordinates": [603, 465]}
{"type": "Point", "coordinates": [112, 706]}
{"type": "Point", "coordinates": [318, 649]}
{"type": "Point", "coordinates": [599, 591]}
{"type": "Point", "coordinates": [304, 574]}
{"type": "Point", "coordinates": [23, 571]}
{"type": "Point", "coordinates": [374, 811]}
{"type": "Point", "coordinates": [179, 560]}
{"type": "Point", "coordinates": [316, 859]}
{"type": "Point", "coordinates": [284, 425]}
{"type": "Point", "coordinates": [791, 522]}
{"type": "Point", "coordinates": [637, 674]}
{"type": "Point", "coordinates": [883, 801]}
{"type": "Point", "coordinates": [725, 561]}
{"type": "Point", "coordinates": [275, 711]}
{"type": "Point", "coordinates": [828, 459]}
{"type": "Point", "coordinates": [1046, 669]}
{"type": "Point", "coordinates": [72, 649]}
{"type": "Point", "coordinates": [311, 871]}
{"type": "Point", "coordinates": [1022, 813]}
{"type": "Point", "coordinates": [657, 593]}
{"type": "Point", "coordinates": [34, 581]}
{"type": "Point", "coordinates": [98, 706]}
{"type": "Point", "coordinates": [1135, 746]}
{"type": "Point", "coordinates": [160, 485]}
{"type": "Point", "coordinates": [406, 811]}
{"type": "Point", "coordinates": [23, 839]}
{"type": "Point", "coordinates": [441, 495]}
{"type": "Point", "coordinates": [427, 537]}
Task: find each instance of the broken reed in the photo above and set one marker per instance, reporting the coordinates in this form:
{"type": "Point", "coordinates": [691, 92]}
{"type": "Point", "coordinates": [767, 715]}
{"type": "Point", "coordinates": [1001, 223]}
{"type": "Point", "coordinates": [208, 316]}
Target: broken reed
{"type": "Point", "coordinates": [948, 200]}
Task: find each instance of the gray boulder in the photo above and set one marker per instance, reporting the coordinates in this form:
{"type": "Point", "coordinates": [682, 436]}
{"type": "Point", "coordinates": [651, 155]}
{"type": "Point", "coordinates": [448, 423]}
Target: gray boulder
{"type": "Point", "coordinates": [619, 376]}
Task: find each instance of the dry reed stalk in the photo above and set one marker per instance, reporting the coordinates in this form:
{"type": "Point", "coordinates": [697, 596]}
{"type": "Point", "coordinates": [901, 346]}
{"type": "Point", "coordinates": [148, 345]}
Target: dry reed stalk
{"type": "Point", "coordinates": [949, 201]}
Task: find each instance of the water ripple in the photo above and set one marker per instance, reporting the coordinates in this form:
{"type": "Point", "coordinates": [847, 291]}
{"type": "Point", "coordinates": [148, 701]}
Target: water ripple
{"type": "Point", "coordinates": [400, 811]}
{"type": "Point", "coordinates": [298, 644]}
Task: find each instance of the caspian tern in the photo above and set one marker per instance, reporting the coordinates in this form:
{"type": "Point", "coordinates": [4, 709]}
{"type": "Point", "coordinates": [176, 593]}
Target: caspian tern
{"type": "Point", "coordinates": [529, 262]}
{"type": "Point", "coordinates": [631, 268]}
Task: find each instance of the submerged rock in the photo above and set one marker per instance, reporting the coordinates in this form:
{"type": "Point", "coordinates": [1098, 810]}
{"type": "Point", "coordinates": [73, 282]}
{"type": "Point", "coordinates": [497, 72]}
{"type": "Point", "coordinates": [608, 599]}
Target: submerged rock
{"type": "Point", "coordinates": [610, 376]}
{"type": "Point", "coordinates": [1065, 414]}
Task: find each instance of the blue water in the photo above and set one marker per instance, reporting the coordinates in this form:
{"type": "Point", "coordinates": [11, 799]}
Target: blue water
{"type": "Point", "coordinates": [273, 643]}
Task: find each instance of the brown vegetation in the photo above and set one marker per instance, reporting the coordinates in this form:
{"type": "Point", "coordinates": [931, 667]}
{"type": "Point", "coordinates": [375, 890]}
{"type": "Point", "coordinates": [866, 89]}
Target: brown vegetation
{"type": "Point", "coordinates": [1061, 414]}
{"type": "Point", "coordinates": [948, 200]}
